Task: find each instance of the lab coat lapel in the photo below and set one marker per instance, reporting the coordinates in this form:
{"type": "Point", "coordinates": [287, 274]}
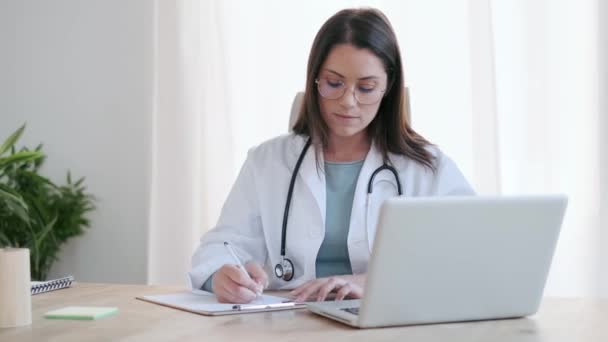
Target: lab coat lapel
{"type": "Point", "coordinates": [358, 234]}
{"type": "Point", "coordinates": [314, 178]}
{"type": "Point", "coordinates": [373, 160]}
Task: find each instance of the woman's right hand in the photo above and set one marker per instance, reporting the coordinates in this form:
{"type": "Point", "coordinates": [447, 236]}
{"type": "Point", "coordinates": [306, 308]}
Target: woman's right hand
{"type": "Point", "coordinates": [232, 285]}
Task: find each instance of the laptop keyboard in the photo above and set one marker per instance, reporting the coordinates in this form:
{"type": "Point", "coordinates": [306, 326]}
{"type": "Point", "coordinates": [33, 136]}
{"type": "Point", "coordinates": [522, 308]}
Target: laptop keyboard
{"type": "Point", "coordinates": [354, 311]}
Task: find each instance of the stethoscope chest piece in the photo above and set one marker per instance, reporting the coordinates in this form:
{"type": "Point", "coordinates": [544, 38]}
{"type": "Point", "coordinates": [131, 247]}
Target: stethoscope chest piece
{"type": "Point", "coordinates": [284, 269]}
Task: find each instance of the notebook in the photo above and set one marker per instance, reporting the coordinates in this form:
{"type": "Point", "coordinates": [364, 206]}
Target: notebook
{"type": "Point", "coordinates": [81, 312]}
{"type": "Point", "coordinates": [56, 284]}
{"type": "Point", "coordinates": [205, 303]}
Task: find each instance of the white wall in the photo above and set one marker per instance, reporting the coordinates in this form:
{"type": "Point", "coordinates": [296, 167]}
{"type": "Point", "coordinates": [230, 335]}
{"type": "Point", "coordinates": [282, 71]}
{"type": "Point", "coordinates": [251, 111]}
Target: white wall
{"type": "Point", "coordinates": [80, 74]}
{"type": "Point", "coordinates": [603, 110]}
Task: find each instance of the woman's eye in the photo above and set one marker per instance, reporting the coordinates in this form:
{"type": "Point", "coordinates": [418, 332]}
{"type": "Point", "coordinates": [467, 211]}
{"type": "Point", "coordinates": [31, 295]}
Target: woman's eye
{"type": "Point", "coordinates": [335, 84]}
{"type": "Point", "coordinates": [366, 88]}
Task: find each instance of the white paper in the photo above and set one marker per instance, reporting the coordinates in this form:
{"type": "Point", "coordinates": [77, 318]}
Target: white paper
{"type": "Point", "coordinates": [198, 300]}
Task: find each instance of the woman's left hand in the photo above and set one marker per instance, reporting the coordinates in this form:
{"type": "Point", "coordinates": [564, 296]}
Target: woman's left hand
{"type": "Point", "coordinates": [350, 286]}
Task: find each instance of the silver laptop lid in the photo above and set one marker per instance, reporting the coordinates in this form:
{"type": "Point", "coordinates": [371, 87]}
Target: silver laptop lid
{"type": "Point", "coordinates": [460, 258]}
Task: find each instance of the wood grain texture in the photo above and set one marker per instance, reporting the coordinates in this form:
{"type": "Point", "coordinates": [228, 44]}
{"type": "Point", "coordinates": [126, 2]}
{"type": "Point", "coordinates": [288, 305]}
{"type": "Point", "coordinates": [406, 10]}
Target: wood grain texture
{"type": "Point", "coordinates": [558, 320]}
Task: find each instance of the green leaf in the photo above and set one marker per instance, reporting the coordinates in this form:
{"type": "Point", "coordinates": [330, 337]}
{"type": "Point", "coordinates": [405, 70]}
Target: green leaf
{"type": "Point", "coordinates": [9, 193]}
{"type": "Point", "coordinates": [11, 140]}
{"type": "Point", "coordinates": [20, 157]}
{"type": "Point", "coordinates": [79, 182]}
{"type": "Point", "coordinates": [38, 162]}
{"type": "Point", "coordinates": [40, 238]}
{"type": "Point", "coordinates": [14, 203]}
{"type": "Point", "coordinates": [4, 241]}
{"type": "Point", "coordinates": [39, 178]}
{"type": "Point", "coordinates": [19, 211]}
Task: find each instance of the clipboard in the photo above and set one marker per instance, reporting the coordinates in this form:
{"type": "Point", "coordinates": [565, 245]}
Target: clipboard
{"type": "Point", "coordinates": [205, 303]}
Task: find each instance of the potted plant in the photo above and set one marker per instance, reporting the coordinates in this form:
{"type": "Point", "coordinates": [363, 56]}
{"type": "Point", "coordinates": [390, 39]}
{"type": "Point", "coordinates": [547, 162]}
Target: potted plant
{"type": "Point", "coordinates": [36, 213]}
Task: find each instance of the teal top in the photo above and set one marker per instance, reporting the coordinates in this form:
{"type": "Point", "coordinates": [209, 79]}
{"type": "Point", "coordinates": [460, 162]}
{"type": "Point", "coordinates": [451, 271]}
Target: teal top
{"type": "Point", "coordinates": [341, 181]}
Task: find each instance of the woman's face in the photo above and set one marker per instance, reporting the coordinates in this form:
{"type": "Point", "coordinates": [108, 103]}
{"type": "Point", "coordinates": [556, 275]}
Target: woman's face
{"type": "Point", "coordinates": [360, 76]}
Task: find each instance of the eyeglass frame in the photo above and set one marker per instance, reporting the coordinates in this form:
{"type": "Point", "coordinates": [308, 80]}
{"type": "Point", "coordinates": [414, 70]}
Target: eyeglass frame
{"type": "Point", "coordinates": [317, 80]}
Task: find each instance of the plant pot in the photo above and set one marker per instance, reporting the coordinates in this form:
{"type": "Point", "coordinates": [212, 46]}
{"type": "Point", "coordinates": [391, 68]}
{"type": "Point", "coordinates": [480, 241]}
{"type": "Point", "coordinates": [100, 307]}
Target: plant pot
{"type": "Point", "coordinates": [15, 288]}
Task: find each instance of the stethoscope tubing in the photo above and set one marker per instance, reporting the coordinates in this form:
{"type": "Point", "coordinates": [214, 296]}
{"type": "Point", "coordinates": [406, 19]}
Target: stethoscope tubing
{"type": "Point", "coordinates": [292, 182]}
{"type": "Point", "coordinates": [289, 194]}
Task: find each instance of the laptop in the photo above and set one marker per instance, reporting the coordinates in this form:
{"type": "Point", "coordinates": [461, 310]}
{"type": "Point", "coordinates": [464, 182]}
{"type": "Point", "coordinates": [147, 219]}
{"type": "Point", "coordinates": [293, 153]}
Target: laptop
{"type": "Point", "coordinates": [452, 259]}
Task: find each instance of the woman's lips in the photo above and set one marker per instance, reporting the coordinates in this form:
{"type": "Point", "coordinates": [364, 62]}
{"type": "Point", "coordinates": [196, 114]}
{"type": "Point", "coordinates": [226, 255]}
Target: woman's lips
{"type": "Point", "coordinates": [345, 116]}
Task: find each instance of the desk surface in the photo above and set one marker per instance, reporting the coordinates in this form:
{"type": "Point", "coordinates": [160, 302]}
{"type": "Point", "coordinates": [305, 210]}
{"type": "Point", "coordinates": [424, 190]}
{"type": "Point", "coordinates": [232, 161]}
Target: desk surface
{"type": "Point", "coordinates": [557, 320]}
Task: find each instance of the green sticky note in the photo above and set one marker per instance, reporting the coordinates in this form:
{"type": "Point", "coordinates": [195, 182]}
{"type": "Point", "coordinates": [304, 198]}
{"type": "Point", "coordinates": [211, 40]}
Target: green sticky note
{"type": "Point", "coordinates": [81, 312]}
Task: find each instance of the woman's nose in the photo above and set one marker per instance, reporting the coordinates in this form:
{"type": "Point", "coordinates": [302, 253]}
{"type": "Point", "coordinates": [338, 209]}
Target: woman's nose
{"type": "Point", "coordinates": [348, 100]}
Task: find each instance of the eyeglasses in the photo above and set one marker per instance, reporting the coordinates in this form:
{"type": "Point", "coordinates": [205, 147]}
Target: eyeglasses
{"type": "Point", "coordinates": [335, 89]}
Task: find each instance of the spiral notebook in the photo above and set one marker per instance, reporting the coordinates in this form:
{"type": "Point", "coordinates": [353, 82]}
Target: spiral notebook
{"type": "Point", "coordinates": [51, 285]}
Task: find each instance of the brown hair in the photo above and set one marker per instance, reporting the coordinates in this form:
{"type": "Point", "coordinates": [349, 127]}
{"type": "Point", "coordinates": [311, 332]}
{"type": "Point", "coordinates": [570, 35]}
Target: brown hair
{"type": "Point", "coordinates": [364, 28]}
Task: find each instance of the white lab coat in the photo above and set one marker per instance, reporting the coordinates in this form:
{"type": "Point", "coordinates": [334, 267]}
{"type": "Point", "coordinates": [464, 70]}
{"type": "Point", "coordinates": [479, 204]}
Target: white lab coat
{"type": "Point", "coordinates": [251, 219]}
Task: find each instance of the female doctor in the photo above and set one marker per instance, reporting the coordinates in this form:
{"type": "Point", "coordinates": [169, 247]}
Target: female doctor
{"type": "Point", "coordinates": [302, 212]}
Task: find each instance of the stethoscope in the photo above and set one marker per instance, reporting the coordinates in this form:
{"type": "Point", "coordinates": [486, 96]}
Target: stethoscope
{"type": "Point", "coordinates": [284, 269]}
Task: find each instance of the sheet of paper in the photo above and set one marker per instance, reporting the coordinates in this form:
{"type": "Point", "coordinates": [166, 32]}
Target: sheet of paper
{"type": "Point", "coordinates": [205, 301]}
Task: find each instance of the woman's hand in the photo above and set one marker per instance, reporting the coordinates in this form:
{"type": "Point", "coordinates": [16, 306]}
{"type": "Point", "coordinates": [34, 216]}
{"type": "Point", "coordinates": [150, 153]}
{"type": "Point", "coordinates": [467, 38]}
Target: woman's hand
{"type": "Point", "coordinates": [232, 285]}
{"type": "Point", "coordinates": [344, 286]}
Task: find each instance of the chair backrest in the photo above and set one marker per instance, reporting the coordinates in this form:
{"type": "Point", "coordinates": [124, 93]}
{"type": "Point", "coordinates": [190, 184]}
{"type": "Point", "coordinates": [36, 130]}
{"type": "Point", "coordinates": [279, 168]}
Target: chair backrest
{"type": "Point", "coordinates": [296, 107]}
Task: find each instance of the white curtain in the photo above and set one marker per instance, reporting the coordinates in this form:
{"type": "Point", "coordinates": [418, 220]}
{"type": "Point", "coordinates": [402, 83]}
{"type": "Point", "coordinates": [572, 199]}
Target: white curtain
{"type": "Point", "coordinates": [193, 152]}
{"type": "Point", "coordinates": [509, 89]}
{"type": "Point", "coordinates": [547, 64]}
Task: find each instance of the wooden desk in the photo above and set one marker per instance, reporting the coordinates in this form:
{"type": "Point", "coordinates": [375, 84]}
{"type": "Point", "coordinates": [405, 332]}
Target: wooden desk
{"type": "Point", "coordinates": [558, 320]}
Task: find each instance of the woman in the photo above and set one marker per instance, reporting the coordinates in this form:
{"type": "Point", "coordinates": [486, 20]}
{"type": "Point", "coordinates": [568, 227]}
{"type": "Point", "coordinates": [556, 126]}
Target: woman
{"type": "Point", "coordinates": [354, 121]}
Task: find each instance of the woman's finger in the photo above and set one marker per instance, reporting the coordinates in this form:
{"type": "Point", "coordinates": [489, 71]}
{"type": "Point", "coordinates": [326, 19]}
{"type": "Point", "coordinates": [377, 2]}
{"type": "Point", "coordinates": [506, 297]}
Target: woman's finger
{"type": "Point", "coordinates": [299, 289]}
{"type": "Point", "coordinates": [224, 296]}
{"type": "Point", "coordinates": [257, 273]}
{"type": "Point", "coordinates": [343, 291]}
{"type": "Point", "coordinates": [355, 292]}
{"type": "Point", "coordinates": [238, 294]}
{"type": "Point", "coordinates": [220, 290]}
{"type": "Point", "coordinates": [229, 290]}
{"type": "Point", "coordinates": [313, 289]}
{"type": "Point", "coordinates": [328, 287]}
{"type": "Point", "coordinates": [308, 289]}
{"type": "Point", "coordinates": [240, 277]}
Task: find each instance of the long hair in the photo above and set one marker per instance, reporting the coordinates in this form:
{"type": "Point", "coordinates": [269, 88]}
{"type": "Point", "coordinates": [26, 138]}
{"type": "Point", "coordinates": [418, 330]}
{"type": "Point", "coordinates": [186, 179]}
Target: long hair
{"type": "Point", "coordinates": [364, 28]}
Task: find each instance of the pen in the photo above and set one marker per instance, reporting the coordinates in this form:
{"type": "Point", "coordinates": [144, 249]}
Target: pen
{"type": "Point", "coordinates": [243, 307]}
{"type": "Point", "coordinates": [238, 263]}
